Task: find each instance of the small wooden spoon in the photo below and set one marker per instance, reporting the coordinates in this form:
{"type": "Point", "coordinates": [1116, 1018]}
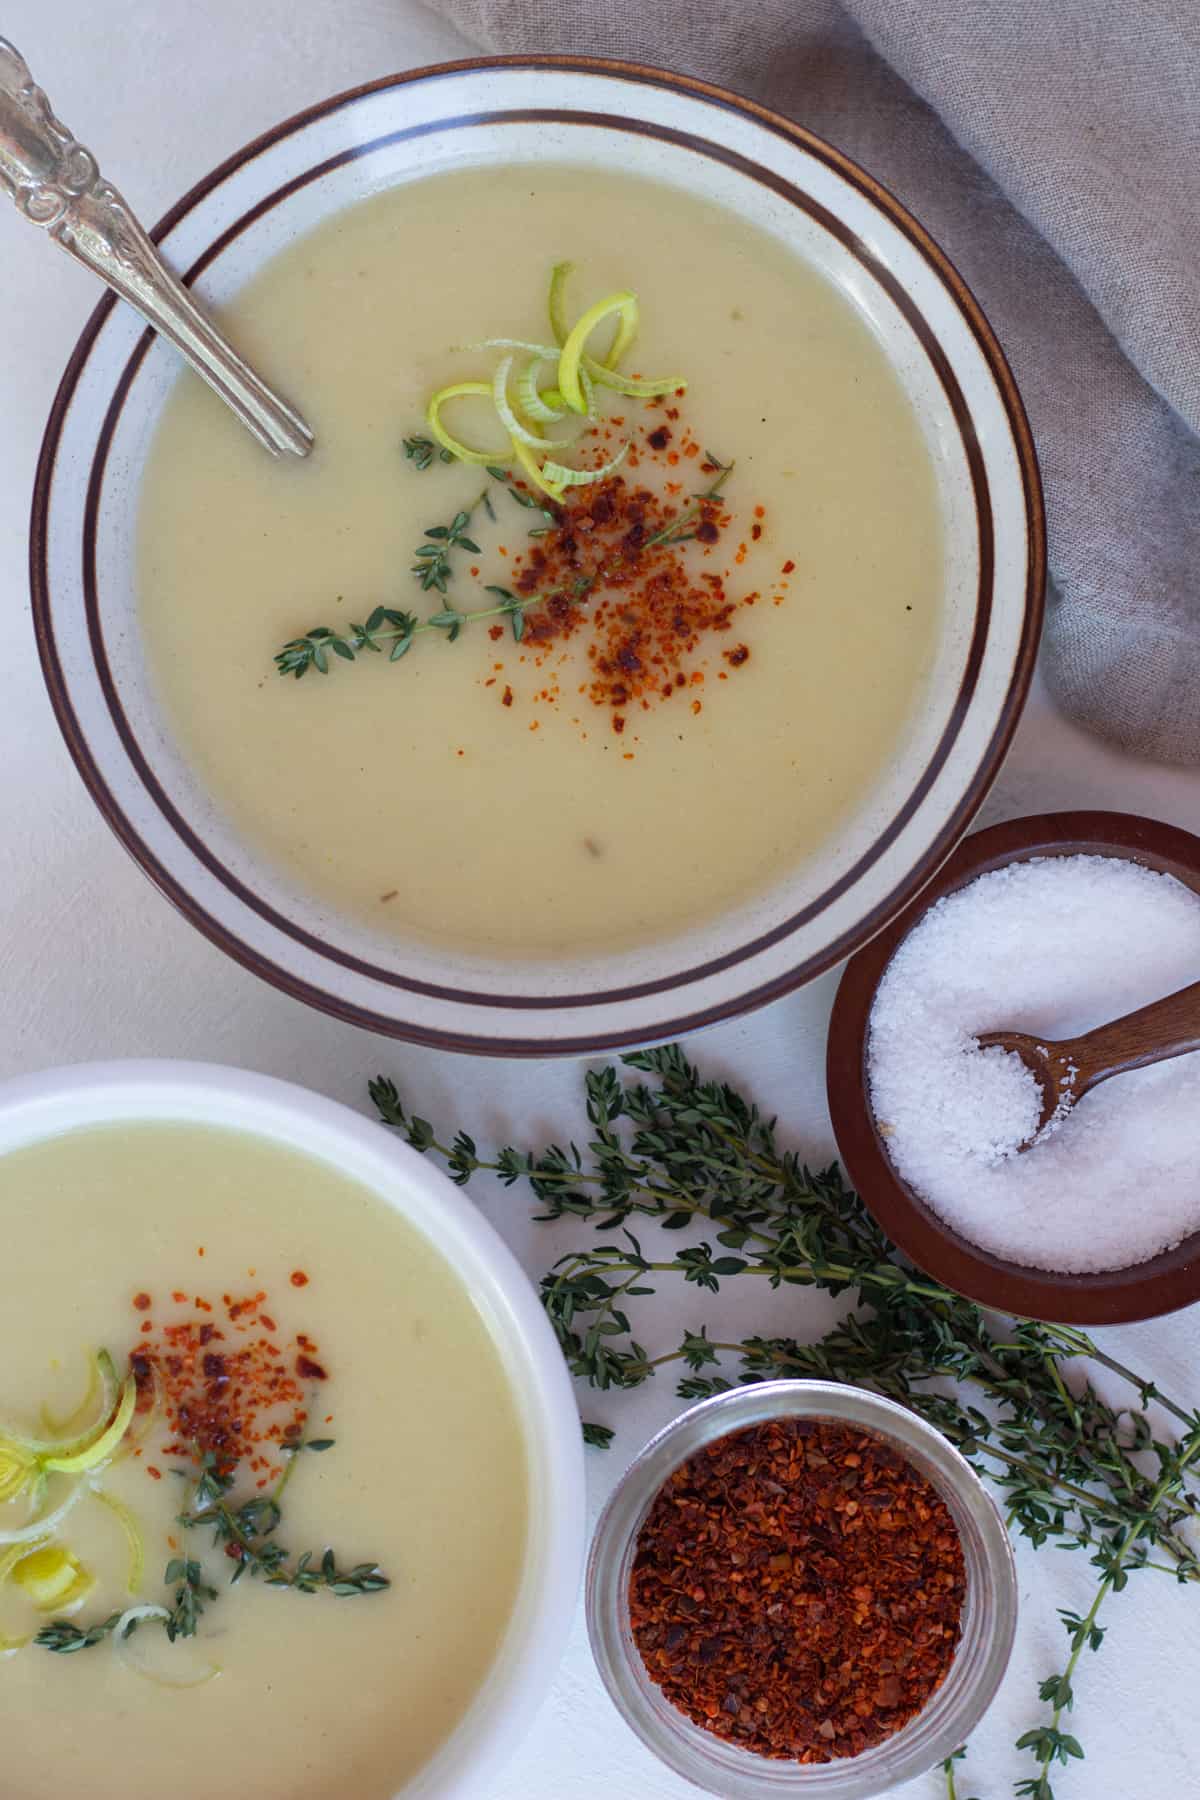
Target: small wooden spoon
{"type": "Point", "coordinates": [1069, 1069]}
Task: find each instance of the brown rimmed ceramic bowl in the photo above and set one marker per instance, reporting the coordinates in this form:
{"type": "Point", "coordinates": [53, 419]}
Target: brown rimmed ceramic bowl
{"type": "Point", "coordinates": [1163, 1283]}
{"type": "Point", "coordinates": [509, 114]}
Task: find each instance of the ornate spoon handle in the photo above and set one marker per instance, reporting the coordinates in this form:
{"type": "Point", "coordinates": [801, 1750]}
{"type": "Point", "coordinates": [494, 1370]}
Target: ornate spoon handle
{"type": "Point", "coordinates": [57, 184]}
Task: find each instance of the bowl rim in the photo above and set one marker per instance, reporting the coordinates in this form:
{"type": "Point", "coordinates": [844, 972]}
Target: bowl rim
{"type": "Point", "coordinates": [1161, 1284]}
{"type": "Point", "coordinates": [267, 964]}
{"type": "Point", "coordinates": [56, 1101]}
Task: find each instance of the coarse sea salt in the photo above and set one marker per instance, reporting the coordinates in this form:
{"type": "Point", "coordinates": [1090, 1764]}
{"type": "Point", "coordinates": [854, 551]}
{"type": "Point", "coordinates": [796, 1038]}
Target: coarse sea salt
{"type": "Point", "coordinates": [1053, 946]}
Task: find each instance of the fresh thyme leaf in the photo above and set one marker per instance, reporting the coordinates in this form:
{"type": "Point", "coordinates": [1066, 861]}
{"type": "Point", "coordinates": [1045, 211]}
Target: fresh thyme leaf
{"type": "Point", "coordinates": [422, 451]}
{"type": "Point", "coordinates": [1072, 1470]}
{"type": "Point", "coordinates": [599, 1436]}
{"type": "Point", "coordinates": [64, 1638]}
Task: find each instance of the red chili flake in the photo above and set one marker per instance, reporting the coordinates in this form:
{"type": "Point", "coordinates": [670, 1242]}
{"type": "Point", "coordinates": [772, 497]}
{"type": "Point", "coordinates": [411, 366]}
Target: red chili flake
{"type": "Point", "coordinates": [299, 1278]}
{"type": "Point", "coordinates": [142, 1302]}
{"type": "Point", "coordinates": [232, 1401]}
{"type": "Point", "coordinates": [495, 632]}
{"type": "Point", "coordinates": [737, 656]}
{"type": "Point", "coordinates": [756, 531]}
{"type": "Point", "coordinates": [506, 697]}
{"type": "Point", "coordinates": [311, 1371]}
{"type": "Point", "coordinates": [180, 1299]}
{"type": "Point", "coordinates": [200, 1250]}
{"type": "Point", "coordinates": [155, 1474]}
{"type": "Point", "coordinates": [788, 566]}
{"type": "Point", "coordinates": [658, 440]}
{"type": "Point", "coordinates": [798, 1590]}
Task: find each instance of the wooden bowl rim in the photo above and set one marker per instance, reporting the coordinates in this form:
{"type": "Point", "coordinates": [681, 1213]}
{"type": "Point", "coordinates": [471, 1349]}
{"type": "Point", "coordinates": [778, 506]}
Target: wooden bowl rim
{"type": "Point", "coordinates": [1163, 1283]}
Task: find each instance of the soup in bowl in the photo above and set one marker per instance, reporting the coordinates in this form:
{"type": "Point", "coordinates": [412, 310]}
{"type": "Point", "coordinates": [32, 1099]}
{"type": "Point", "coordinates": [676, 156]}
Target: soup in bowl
{"type": "Point", "coordinates": [651, 614]}
{"type": "Point", "coordinates": [290, 1470]}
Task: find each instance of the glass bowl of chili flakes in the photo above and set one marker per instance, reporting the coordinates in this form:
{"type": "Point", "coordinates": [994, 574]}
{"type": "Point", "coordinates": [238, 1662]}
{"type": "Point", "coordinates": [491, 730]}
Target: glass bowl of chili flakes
{"type": "Point", "coordinates": [801, 1587]}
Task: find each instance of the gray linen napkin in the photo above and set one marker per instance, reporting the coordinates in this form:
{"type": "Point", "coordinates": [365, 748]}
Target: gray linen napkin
{"type": "Point", "coordinates": [1054, 152]}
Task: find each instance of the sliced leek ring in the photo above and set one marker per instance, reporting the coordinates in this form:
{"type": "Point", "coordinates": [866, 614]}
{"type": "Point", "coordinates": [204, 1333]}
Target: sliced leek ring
{"type": "Point", "coordinates": [91, 1455]}
{"type": "Point", "coordinates": [639, 387]}
{"type": "Point", "coordinates": [518, 432]}
{"type": "Point", "coordinates": [458, 390]}
{"type": "Point", "coordinates": [624, 305]}
{"type": "Point", "coordinates": [122, 1632]}
{"type": "Point", "coordinates": [133, 1534]}
{"type": "Point", "coordinates": [605, 373]}
{"type": "Point", "coordinates": [49, 1523]}
{"type": "Point", "coordinates": [532, 469]}
{"type": "Point", "coordinates": [54, 1578]}
{"type": "Point", "coordinates": [8, 1562]}
{"type": "Point", "coordinates": [18, 1467]}
{"type": "Point", "coordinates": [535, 403]}
{"type": "Point", "coordinates": [547, 352]}
{"type": "Point", "coordinates": [563, 477]}
{"type": "Point", "coordinates": [104, 1374]}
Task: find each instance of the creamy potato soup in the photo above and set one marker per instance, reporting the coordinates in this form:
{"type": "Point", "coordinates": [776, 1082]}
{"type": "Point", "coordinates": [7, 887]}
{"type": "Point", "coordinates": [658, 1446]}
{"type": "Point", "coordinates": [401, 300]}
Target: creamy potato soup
{"type": "Point", "coordinates": [704, 688]}
{"type": "Point", "coordinates": [250, 1299]}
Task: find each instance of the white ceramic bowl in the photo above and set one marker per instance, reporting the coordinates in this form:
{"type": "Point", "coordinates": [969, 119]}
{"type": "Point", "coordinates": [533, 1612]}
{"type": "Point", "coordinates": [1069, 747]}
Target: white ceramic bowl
{"type": "Point", "coordinates": [792, 186]}
{"type": "Point", "coordinates": [40, 1106]}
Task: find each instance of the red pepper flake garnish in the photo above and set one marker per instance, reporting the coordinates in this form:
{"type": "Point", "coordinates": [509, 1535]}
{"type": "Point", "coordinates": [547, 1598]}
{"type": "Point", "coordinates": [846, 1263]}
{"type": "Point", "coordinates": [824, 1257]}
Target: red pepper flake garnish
{"type": "Point", "coordinates": [311, 1371]}
{"type": "Point", "coordinates": [658, 440]}
{"type": "Point", "coordinates": [154, 1474]}
{"type": "Point", "coordinates": [142, 1302]}
{"type": "Point", "coordinates": [798, 1590]}
{"type": "Point", "coordinates": [737, 656]}
{"type": "Point", "coordinates": [179, 1299]}
{"type": "Point", "coordinates": [756, 531]}
{"type": "Point", "coordinates": [238, 1401]}
{"type": "Point", "coordinates": [788, 566]}
{"type": "Point", "coordinates": [495, 632]}
{"type": "Point", "coordinates": [506, 698]}
{"type": "Point", "coordinates": [200, 1250]}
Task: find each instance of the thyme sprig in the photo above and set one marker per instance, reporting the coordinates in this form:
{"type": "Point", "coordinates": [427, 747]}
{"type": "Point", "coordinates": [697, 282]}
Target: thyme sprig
{"type": "Point", "coordinates": [393, 630]}
{"type": "Point", "coordinates": [246, 1535]}
{"type": "Point", "coordinates": [432, 567]}
{"type": "Point", "coordinates": [1014, 1398]}
{"type": "Point", "coordinates": [676, 532]}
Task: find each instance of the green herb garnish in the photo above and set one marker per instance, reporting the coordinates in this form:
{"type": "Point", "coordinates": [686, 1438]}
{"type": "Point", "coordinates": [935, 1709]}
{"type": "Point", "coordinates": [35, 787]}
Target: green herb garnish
{"type": "Point", "coordinates": [246, 1535]}
{"type": "Point", "coordinates": [685, 1153]}
{"type": "Point", "coordinates": [392, 629]}
{"type": "Point", "coordinates": [432, 567]}
{"type": "Point", "coordinates": [422, 450]}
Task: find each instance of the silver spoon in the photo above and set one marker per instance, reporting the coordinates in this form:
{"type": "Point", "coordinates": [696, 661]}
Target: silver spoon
{"type": "Point", "coordinates": [57, 184]}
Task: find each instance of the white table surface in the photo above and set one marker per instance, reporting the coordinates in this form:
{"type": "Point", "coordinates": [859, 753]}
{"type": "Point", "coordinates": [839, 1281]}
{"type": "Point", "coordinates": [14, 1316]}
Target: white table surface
{"type": "Point", "coordinates": [94, 964]}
